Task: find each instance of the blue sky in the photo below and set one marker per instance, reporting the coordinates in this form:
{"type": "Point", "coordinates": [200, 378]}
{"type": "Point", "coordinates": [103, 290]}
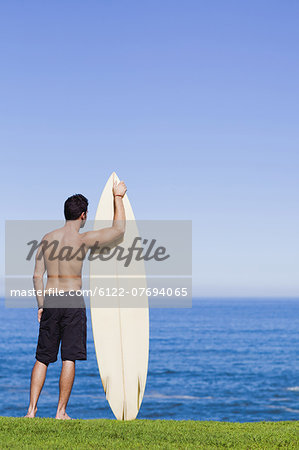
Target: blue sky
{"type": "Point", "coordinates": [194, 104]}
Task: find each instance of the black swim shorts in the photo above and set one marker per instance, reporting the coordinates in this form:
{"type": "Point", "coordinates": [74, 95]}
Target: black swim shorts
{"type": "Point", "coordinates": [63, 320]}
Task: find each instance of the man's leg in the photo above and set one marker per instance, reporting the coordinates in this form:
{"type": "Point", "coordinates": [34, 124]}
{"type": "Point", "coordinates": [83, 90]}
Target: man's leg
{"type": "Point", "coordinates": [65, 387]}
{"type": "Point", "coordinates": [38, 377]}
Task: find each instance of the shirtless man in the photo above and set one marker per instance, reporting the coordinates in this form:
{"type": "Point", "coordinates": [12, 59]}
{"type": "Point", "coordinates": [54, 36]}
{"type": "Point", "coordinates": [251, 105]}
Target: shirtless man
{"type": "Point", "coordinates": [59, 323]}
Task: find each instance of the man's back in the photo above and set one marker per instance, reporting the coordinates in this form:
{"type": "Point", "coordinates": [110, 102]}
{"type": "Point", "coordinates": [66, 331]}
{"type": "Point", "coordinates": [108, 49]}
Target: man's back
{"type": "Point", "coordinates": [64, 269]}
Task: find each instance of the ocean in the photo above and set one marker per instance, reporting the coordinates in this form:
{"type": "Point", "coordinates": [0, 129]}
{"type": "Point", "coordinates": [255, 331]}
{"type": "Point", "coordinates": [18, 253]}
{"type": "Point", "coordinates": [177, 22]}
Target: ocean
{"type": "Point", "coordinates": [223, 359]}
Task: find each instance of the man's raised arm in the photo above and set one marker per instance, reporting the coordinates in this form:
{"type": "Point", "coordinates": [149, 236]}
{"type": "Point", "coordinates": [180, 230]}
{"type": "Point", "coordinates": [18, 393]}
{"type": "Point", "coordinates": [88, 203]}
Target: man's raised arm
{"type": "Point", "coordinates": [117, 230]}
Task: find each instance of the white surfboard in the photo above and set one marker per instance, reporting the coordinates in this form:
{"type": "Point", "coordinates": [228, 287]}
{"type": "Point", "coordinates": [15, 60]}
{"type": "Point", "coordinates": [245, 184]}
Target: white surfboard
{"type": "Point", "coordinates": [120, 323]}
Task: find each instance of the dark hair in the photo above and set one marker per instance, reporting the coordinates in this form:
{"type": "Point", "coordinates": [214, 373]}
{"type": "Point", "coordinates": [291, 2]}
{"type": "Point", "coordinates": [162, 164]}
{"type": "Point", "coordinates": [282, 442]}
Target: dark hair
{"type": "Point", "coordinates": [74, 206]}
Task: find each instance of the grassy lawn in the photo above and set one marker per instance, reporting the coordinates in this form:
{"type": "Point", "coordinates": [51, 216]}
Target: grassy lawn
{"type": "Point", "coordinates": [50, 433]}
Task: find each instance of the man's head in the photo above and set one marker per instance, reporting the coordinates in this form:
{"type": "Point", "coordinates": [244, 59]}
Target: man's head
{"type": "Point", "coordinates": [75, 207]}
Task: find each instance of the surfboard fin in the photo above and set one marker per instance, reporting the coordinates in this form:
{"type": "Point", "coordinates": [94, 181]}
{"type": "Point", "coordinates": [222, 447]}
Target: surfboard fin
{"type": "Point", "coordinates": [139, 387]}
{"type": "Point", "coordinates": [106, 387]}
{"type": "Point", "coordinates": [124, 412]}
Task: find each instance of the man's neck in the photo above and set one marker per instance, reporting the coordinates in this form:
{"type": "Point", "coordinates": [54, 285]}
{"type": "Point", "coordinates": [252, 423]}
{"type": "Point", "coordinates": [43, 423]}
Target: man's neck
{"type": "Point", "coordinates": [73, 225]}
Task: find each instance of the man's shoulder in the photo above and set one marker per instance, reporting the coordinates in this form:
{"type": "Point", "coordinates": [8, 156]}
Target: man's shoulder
{"type": "Point", "coordinates": [54, 234]}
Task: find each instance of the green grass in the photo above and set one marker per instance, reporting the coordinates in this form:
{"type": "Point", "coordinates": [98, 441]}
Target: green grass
{"type": "Point", "coordinates": [78, 434]}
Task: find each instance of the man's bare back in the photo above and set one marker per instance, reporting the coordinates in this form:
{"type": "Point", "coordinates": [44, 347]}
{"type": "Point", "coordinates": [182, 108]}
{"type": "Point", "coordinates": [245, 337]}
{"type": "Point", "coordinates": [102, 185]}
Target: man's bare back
{"type": "Point", "coordinates": [64, 274]}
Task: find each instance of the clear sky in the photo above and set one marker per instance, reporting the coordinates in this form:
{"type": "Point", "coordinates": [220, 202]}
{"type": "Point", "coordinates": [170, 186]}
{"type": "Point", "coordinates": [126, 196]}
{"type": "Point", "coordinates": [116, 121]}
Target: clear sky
{"type": "Point", "coordinates": [193, 103]}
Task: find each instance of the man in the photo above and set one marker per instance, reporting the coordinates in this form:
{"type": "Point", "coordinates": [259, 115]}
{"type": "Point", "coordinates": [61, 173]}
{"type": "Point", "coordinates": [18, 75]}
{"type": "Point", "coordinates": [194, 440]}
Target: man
{"type": "Point", "coordinates": [63, 318]}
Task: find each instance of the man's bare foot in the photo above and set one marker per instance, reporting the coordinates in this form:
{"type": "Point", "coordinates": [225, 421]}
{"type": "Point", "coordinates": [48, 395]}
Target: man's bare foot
{"type": "Point", "coordinates": [62, 416]}
{"type": "Point", "coordinates": [31, 413]}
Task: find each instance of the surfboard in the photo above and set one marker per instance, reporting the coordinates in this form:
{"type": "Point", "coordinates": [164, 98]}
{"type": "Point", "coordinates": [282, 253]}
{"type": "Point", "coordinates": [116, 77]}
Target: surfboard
{"type": "Point", "coordinates": [120, 323]}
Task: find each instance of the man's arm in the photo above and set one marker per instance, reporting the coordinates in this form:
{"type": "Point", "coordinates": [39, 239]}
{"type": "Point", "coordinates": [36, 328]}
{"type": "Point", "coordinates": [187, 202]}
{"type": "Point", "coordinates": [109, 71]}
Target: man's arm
{"type": "Point", "coordinates": [117, 230]}
{"type": "Point", "coordinates": [38, 281]}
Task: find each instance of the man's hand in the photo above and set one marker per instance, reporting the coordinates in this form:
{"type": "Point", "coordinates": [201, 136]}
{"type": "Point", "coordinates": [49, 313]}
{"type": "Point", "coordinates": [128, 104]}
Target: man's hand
{"type": "Point", "coordinates": [119, 189]}
{"type": "Point", "coordinates": [39, 314]}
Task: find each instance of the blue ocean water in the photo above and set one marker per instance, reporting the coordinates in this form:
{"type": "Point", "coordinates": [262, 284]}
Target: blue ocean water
{"type": "Point", "coordinates": [226, 359]}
